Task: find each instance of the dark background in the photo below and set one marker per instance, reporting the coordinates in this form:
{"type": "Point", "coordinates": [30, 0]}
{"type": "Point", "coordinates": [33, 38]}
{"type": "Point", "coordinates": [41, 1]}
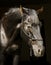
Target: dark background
{"type": "Point", "coordinates": [45, 16]}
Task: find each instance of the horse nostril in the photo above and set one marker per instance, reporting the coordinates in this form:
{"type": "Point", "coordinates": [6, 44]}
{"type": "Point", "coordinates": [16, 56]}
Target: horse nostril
{"type": "Point", "coordinates": [29, 26]}
{"type": "Point", "coordinates": [38, 50]}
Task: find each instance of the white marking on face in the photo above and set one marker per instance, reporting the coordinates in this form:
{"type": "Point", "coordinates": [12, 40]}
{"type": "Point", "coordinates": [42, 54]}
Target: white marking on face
{"type": "Point", "coordinates": [38, 49]}
{"type": "Point", "coordinates": [4, 39]}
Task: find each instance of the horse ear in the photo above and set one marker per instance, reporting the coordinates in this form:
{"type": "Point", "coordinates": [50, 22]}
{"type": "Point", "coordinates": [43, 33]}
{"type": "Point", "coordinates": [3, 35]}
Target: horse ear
{"type": "Point", "coordinates": [21, 9]}
{"type": "Point", "coordinates": [25, 10]}
{"type": "Point", "coordinates": [40, 10]}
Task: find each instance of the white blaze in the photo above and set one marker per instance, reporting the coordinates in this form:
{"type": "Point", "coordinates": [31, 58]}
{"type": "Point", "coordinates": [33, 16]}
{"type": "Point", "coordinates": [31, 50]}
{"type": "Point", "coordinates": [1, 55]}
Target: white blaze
{"type": "Point", "coordinates": [38, 48]}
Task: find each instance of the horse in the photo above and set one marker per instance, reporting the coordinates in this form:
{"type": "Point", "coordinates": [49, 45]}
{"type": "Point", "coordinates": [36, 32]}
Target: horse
{"type": "Point", "coordinates": [9, 31]}
{"type": "Point", "coordinates": [21, 24]}
{"type": "Point", "coordinates": [30, 32]}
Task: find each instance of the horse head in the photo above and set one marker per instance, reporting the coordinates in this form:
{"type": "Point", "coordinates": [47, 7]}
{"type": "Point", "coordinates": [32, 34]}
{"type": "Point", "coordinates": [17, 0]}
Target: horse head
{"type": "Point", "coordinates": [30, 31]}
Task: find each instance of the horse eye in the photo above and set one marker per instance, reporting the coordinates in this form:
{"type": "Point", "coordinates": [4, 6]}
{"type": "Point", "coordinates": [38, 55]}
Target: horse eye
{"type": "Point", "coordinates": [33, 24]}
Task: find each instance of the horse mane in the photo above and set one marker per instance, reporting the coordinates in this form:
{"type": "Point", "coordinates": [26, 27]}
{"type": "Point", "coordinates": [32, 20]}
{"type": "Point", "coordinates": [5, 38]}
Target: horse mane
{"type": "Point", "coordinates": [10, 20]}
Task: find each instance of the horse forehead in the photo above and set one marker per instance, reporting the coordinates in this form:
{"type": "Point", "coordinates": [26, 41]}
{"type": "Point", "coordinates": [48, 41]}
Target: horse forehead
{"type": "Point", "coordinates": [32, 17]}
